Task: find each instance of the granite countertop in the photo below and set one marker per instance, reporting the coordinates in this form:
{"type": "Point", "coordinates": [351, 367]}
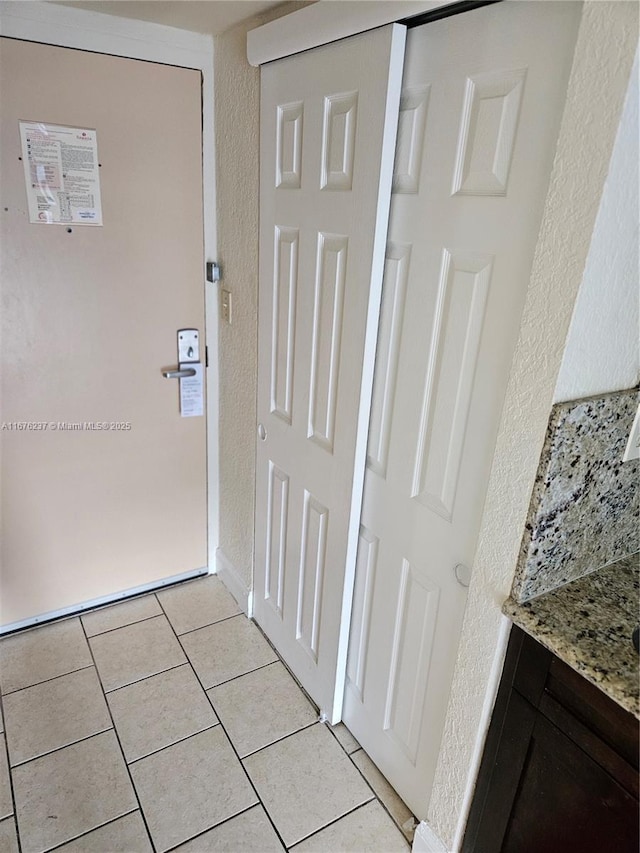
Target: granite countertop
{"type": "Point", "coordinates": [588, 624]}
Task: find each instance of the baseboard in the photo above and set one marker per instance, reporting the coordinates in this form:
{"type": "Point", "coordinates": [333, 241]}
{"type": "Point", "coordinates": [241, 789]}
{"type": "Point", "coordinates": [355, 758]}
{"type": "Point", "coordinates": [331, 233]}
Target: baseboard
{"type": "Point", "coordinates": [426, 841]}
{"type": "Point", "coordinates": [491, 691]}
{"type": "Point", "coordinates": [230, 577]}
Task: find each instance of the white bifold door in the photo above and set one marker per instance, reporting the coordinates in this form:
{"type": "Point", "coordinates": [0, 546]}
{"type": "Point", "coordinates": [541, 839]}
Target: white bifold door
{"type": "Point", "coordinates": [482, 99]}
{"type": "Point", "coordinates": [328, 127]}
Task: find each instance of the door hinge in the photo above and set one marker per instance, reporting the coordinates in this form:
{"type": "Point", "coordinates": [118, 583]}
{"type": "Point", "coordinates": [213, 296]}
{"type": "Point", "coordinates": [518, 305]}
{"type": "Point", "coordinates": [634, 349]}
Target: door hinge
{"type": "Point", "coordinates": [206, 356]}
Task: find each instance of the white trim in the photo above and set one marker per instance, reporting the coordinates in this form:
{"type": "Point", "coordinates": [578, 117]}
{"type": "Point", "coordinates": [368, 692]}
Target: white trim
{"type": "Point", "coordinates": [326, 21]}
{"type": "Point", "coordinates": [491, 692]}
{"type": "Point", "coordinates": [79, 28]}
{"type": "Point", "coordinates": [385, 179]}
{"type": "Point", "coordinates": [84, 30]}
{"type": "Point", "coordinates": [426, 841]}
{"type": "Point", "coordinates": [231, 578]}
{"type": "Point", "coordinates": [98, 602]}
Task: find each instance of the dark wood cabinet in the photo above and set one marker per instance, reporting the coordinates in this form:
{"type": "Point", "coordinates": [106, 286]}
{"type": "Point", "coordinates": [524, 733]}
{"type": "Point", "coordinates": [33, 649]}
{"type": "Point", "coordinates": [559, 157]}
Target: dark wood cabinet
{"type": "Point", "coordinates": [559, 771]}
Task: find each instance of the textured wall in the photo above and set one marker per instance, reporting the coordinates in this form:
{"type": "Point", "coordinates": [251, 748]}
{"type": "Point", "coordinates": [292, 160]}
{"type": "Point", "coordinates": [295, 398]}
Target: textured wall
{"type": "Point", "coordinates": [585, 502]}
{"type": "Point", "coordinates": [237, 119]}
{"type": "Point", "coordinates": [602, 64]}
{"type": "Point", "coordinates": [602, 348]}
{"type": "Point", "coordinates": [237, 92]}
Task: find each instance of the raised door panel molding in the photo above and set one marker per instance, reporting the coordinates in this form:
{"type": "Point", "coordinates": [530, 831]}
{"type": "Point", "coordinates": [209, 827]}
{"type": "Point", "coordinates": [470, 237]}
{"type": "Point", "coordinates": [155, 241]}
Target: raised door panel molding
{"type": "Point", "coordinates": [366, 563]}
{"type": "Point", "coordinates": [488, 132]}
{"type": "Point", "coordinates": [338, 141]}
{"type": "Point", "coordinates": [331, 268]}
{"type": "Point", "coordinates": [277, 514]}
{"type": "Point", "coordinates": [414, 629]}
{"type": "Point", "coordinates": [462, 296]}
{"type": "Point", "coordinates": [289, 146]}
{"type": "Point", "coordinates": [285, 286]}
{"type": "Point", "coordinates": [412, 121]}
{"type": "Point", "coordinates": [394, 286]}
{"type": "Point", "coordinates": [311, 575]}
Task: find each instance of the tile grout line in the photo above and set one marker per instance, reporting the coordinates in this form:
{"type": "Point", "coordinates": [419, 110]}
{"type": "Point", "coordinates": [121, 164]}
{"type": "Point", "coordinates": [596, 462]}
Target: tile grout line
{"type": "Point", "coordinates": [47, 680]}
{"type": "Point", "coordinates": [290, 671]}
{"type": "Point", "coordinates": [375, 794]}
{"type": "Point", "coordinates": [144, 678]}
{"type": "Point", "coordinates": [344, 749]}
{"type": "Point", "coordinates": [149, 618]}
{"type": "Point", "coordinates": [378, 798]}
{"type": "Point", "coordinates": [204, 831]}
{"type": "Point", "coordinates": [331, 823]}
{"type": "Point", "coordinates": [80, 612]}
{"type": "Point", "coordinates": [10, 774]}
{"type": "Point", "coordinates": [58, 748]}
{"type": "Point", "coordinates": [249, 672]}
{"type": "Point", "coordinates": [82, 834]}
{"type": "Point", "coordinates": [133, 787]}
{"type": "Point", "coordinates": [208, 625]}
{"type": "Point", "coordinates": [280, 739]}
{"type": "Point", "coordinates": [235, 751]}
{"type": "Point", "coordinates": [173, 743]}
{"type": "Point", "coordinates": [118, 627]}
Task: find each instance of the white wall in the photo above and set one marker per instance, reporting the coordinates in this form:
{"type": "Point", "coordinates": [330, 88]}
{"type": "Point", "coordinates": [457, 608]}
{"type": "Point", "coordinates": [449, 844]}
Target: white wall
{"type": "Point", "coordinates": [602, 352]}
{"type": "Point", "coordinates": [602, 63]}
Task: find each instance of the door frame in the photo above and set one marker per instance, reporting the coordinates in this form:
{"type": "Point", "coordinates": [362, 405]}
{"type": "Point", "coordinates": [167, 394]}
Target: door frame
{"type": "Point", "coordinates": [95, 32]}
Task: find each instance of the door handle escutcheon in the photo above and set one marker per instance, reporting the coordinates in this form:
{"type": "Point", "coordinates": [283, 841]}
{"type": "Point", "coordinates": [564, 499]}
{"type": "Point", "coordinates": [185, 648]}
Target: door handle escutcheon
{"type": "Point", "coordinates": [179, 374]}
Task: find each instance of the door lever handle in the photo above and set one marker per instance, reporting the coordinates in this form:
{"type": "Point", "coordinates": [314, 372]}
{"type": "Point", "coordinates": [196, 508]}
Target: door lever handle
{"type": "Point", "coordinates": [179, 374]}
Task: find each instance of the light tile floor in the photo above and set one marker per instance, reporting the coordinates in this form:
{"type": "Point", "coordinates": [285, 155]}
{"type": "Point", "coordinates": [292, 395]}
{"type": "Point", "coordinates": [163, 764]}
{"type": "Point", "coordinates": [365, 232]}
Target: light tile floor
{"type": "Point", "coordinates": [169, 723]}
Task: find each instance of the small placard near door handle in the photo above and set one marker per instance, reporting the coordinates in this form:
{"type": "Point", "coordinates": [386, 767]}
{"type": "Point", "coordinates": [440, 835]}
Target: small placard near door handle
{"type": "Point", "coordinates": [181, 373]}
{"type": "Point", "coordinates": [189, 374]}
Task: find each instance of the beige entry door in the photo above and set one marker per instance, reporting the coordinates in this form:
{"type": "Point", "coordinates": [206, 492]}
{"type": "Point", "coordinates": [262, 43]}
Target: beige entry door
{"type": "Point", "coordinates": [103, 481]}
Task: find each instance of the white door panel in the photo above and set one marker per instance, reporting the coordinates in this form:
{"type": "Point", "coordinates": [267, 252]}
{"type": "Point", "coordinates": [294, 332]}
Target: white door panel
{"type": "Point", "coordinates": [481, 105]}
{"type": "Point", "coordinates": [328, 124]}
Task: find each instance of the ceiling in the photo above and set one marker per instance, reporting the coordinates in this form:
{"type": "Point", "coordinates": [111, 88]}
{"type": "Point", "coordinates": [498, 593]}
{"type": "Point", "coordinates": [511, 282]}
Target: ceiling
{"type": "Point", "coordinates": [203, 16]}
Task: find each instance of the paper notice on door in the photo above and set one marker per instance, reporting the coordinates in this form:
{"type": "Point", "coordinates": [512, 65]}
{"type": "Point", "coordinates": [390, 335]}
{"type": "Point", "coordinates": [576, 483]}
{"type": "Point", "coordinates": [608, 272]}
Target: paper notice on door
{"type": "Point", "coordinates": [192, 391]}
{"type": "Point", "coordinates": [61, 174]}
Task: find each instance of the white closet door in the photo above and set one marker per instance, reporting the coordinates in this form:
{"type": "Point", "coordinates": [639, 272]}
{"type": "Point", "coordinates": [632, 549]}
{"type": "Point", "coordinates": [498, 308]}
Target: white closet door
{"type": "Point", "coordinates": [328, 127]}
{"type": "Point", "coordinates": [482, 99]}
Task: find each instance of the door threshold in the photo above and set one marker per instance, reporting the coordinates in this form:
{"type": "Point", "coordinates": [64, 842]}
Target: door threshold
{"type": "Point", "coordinates": [75, 609]}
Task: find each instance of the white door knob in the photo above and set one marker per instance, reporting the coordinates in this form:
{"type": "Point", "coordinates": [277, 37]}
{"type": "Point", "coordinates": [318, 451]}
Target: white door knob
{"type": "Point", "coordinates": [463, 574]}
{"type": "Point", "coordinates": [262, 433]}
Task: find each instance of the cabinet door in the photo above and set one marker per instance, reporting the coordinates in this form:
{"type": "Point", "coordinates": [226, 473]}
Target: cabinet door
{"type": "Point", "coordinates": [550, 781]}
{"type": "Point", "coordinates": [566, 802]}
